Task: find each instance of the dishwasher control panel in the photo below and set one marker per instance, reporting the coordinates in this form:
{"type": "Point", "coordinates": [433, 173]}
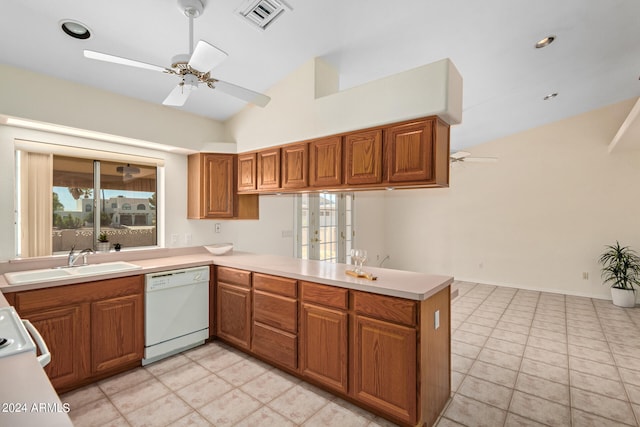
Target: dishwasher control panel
{"type": "Point", "coordinates": [174, 278]}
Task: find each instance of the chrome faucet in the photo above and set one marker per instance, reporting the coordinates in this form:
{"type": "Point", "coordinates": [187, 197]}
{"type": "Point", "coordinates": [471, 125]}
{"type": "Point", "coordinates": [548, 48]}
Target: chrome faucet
{"type": "Point", "coordinates": [73, 257]}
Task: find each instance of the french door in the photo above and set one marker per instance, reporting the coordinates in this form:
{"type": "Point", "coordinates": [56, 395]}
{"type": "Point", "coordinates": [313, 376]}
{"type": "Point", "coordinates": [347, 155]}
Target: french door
{"type": "Point", "coordinates": [324, 226]}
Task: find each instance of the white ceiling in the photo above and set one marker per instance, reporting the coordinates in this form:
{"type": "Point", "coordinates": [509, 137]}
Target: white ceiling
{"type": "Point", "coordinates": [595, 60]}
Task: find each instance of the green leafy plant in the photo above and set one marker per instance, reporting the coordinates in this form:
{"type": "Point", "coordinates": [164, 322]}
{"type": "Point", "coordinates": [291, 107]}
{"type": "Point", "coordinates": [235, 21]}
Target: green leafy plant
{"type": "Point", "coordinates": [102, 237]}
{"type": "Point", "coordinates": [620, 267]}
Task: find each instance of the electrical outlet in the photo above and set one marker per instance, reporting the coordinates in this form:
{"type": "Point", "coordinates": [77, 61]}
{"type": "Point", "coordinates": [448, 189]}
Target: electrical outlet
{"type": "Point", "coordinates": [188, 239]}
{"type": "Point", "coordinates": [174, 239]}
{"type": "Point", "coordinates": [287, 233]}
{"type": "Point", "coordinates": [217, 227]}
{"type": "Point", "coordinates": [585, 275]}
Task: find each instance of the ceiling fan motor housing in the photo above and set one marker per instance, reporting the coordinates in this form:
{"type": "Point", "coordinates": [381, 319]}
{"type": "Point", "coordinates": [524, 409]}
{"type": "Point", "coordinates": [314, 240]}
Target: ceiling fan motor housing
{"type": "Point", "coordinates": [191, 8]}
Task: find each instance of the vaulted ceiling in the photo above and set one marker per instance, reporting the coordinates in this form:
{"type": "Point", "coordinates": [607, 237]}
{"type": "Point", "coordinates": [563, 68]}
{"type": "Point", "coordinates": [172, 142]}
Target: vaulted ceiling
{"type": "Point", "coordinates": [594, 60]}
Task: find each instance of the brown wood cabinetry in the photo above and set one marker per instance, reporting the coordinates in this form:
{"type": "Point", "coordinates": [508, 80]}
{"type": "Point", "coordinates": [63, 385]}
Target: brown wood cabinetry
{"type": "Point", "coordinates": [325, 162]}
{"type": "Point", "coordinates": [295, 166]}
{"type": "Point", "coordinates": [384, 366]}
{"type": "Point", "coordinates": [323, 335]}
{"type": "Point", "coordinates": [247, 171]}
{"type": "Point", "coordinates": [408, 154]}
{"type": "Point", "coordinates": [269, 169]}
{"type": "Point", "coordinates": [211, 189]}
{"type": "Point", "coordinates": [363, 157]}
{"type": "Point", "coordinates": [115, 338]}
{"type": "Point", "coordinates": [275, 319]}
{"type": "Point", "coordinates": [233, 307]}
{"type": "Point", "coordinates": [92, 330]}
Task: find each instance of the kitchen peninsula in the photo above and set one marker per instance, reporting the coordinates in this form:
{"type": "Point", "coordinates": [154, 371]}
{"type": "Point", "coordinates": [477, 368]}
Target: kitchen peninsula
{"type": "Point", "coordinates": [383, 344]}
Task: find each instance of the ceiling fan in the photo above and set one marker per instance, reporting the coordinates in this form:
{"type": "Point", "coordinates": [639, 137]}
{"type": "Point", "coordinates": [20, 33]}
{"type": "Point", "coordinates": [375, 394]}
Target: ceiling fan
{"type": "Point", "coordinates": [193, 69]}
{"type": "Point", "coordinates": [465, 156]}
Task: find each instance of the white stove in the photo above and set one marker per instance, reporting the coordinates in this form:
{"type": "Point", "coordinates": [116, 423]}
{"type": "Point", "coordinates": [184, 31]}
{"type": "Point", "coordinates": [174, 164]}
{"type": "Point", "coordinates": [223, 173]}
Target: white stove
{"type": "Point", "coordinates": [15, 338]}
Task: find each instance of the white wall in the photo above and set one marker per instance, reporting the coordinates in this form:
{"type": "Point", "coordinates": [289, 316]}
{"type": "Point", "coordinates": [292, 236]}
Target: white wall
{"type": "Point", "coordinates": [538, 218]}
{"type": "Point", "coordinates": [297, 110]}
{"type": "Point", "coordinates": [29, 95]}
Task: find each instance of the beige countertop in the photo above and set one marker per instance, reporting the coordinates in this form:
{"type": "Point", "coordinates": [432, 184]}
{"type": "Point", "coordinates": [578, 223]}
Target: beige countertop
{"type": "Point", "coordinates": [403, 284]}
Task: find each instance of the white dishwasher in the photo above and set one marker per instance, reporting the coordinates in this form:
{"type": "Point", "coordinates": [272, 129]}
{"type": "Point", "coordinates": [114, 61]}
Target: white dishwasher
{"type": "Point", "coordinates": [176, 312]}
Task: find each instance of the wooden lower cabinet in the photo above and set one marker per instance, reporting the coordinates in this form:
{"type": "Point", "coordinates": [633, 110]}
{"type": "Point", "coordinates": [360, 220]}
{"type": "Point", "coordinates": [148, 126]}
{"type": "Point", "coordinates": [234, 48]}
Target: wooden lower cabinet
{"type": "Point", "coordinates": [93, 329]}
{"type": "Point", "coordinates": [64, 330]}
{"type": "Point", "coordinates": [323, 354]}
{"type": "Point", "coordinates": [384, 366]}
{"type": "Point", "coordinates": [233, 313]}
{"type": "Point", "coordinates": [117, 332]}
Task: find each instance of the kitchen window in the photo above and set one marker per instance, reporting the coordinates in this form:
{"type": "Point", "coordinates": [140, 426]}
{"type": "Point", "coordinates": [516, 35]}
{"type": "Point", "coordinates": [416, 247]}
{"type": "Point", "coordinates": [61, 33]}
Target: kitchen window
{"type": "Point", "coordinates": [65, 201]}
{"type": "Point", "coordinates": [324, 226]}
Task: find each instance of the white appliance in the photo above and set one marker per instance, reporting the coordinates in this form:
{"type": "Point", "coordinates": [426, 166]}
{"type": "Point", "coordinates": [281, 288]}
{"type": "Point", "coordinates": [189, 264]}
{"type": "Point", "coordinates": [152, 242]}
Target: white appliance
{"type": "Point", "coordinates": [15, 339]}
{"type": "Point", "coordinates": [176, 312]}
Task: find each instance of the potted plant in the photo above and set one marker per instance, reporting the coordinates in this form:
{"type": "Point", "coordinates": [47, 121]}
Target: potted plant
{"type": "Point", "coordinates": [103, 242]}
{"type": "Point", "coordinates": [621, 268]}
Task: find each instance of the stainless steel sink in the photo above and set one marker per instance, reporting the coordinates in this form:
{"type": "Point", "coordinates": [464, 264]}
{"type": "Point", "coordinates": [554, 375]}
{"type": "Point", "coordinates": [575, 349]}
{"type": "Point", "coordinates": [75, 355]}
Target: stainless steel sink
{"type": "Point", "coordinates": [54, 274]}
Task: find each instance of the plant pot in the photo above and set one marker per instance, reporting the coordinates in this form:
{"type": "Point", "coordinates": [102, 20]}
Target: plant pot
{"type": "Point", "coordinates": [103, 246]}
{"type": "Point", "coordinates": [623, 297]}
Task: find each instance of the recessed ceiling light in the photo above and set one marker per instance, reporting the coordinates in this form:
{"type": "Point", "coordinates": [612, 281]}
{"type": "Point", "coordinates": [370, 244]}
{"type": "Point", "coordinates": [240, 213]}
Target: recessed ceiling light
{"type": "Point", "coordinates": [550, 96]}
{"type": "Point", "coordinates": [545, 42]}
{"type": "Point", "coordinates": [75, 29]}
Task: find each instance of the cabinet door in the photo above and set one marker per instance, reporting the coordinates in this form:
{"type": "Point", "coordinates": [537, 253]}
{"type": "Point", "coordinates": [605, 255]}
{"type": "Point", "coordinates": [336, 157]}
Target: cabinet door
{"type": "Point", "coordinates": [234, 314]}
{"type": "Point", "coordinates": [363, 154]}
{"type": "Point", "coordinates": [384, 367]}
{"type": "Point", "coordinates": [247, 172]}
{"type": "Point", "coordinates": [323, 341]}
{"type": "Point", "coordinates": [117, 332]}
{"type": "Point", "coordinates": [269, 169]}
{"type": "Point", "coordinates": [219, 185]}
{"type": "Point", "coordinates": [66, 331]}
{"type": "Point", "coordinates": [409, 152]}
{"type": "Point", "coordinates": [295, 166]}
{"type": "Point", "coordinates": [325, 162]}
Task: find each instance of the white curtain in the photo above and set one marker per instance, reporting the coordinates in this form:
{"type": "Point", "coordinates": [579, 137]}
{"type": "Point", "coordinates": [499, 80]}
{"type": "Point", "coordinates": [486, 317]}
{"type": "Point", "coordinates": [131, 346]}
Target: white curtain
{"type": "Point", "coordinates": [36, 203]}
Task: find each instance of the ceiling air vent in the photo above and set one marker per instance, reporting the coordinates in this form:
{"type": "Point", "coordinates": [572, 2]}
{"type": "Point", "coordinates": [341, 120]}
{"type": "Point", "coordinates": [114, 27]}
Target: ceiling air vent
{"type": "Point", "coordinates": [262, 13]}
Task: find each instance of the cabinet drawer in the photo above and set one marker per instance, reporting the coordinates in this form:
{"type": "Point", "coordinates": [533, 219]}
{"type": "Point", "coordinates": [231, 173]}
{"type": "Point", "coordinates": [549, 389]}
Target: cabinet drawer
{"type": "Point", "coordinates": [278, 346]}
{"type": "Point", "coordinates": [275, 310]}
{"type": "Point", "coordinates": [394, 309]}
{"type": "Point", "coordinates": [233, 276]}
{"type": "Point", "coordinates": [275, 284]}
{"type": "Point", "coordinates": [331, 296]}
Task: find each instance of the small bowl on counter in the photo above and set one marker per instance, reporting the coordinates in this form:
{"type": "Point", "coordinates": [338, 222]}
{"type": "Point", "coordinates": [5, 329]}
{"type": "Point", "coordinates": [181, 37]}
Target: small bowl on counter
{"type": "Point", "coordinates": [220, 248]}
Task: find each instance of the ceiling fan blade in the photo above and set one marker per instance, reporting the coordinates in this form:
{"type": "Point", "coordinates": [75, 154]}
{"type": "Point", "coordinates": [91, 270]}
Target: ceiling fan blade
{"type": "Point", "coordinates": [206, 56]}
{"type": "Point", "coordinates": [178, 96]}
{"type": "Point", "coordinates": [122, 61]}
{"type": "Point", "coordinates": [241, 93]}
{"type": "Point", "coordinates": [481, 159]}
{"type": "Point", "coordinates": [459, 155]}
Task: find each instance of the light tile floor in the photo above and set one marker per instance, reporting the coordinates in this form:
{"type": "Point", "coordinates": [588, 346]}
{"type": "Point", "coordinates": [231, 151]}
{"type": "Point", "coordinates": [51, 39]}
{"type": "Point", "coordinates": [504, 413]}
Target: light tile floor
{"type": "Point", "coordinates": [519, 358]}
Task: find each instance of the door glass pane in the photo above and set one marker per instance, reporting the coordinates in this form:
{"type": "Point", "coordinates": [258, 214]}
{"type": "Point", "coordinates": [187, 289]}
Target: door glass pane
{"type": "Point", "coordinates": [72, 204]}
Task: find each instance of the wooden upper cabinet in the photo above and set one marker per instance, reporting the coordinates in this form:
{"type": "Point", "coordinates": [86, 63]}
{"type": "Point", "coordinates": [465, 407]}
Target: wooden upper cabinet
{"type": "Point", "coordinates": [363, 157]}
{"type": "Point", "coordinates": [409, 151]}
{"type": "Point", "coordinates": [210, 186]}
{"type": "Point", "coordinates": [247, 171]}
{"type": "Point", "coordinates": [325, 162]}
{"type": "Point", "coordinates": [211, 189]}
{"type": "Point", "coordinates": [295, 166]}
{"type": "Point", "coordinates": [269, 169]}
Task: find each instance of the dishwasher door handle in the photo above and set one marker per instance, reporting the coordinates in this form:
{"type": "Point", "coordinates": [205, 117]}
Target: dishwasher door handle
{"type": "Point", "coordinates": [45, 354]}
